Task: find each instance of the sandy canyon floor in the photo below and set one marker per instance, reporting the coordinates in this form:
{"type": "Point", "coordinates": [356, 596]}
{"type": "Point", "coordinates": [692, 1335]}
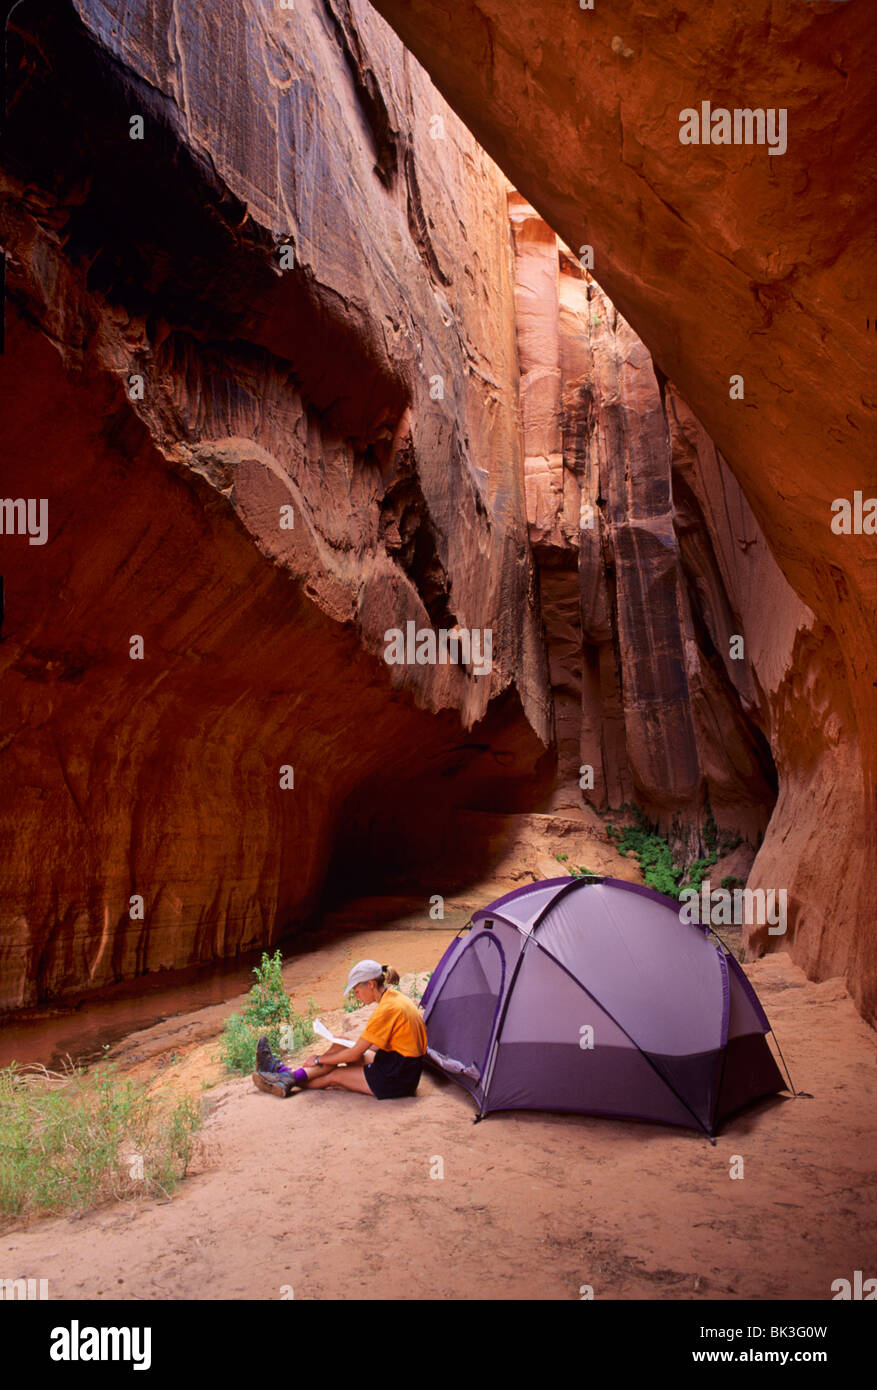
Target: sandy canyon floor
{"type": "Point", "coordinates": [331, 1195]}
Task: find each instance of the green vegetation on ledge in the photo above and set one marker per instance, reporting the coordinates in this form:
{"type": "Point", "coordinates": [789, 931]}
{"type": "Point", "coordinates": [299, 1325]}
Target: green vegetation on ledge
{"type": "Point", "coordinates": [655, 855]}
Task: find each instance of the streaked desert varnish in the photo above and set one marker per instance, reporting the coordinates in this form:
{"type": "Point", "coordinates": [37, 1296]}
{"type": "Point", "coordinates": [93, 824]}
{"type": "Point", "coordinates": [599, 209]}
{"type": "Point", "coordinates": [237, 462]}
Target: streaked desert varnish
{"type": "Point", "coordinates": [726, 261]}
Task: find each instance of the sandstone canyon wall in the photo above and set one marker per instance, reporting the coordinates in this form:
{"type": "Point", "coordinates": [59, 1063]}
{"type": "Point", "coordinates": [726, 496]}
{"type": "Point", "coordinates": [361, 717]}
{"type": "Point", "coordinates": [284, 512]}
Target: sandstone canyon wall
{"type": "Point", "coordinates": [646, 692]}
{"type": "Point", "coordinates": [169, 387]}
{"type": "Point", "coordinates": [307, 265]}
{"type": "Point", "coordinates": [727, 260]}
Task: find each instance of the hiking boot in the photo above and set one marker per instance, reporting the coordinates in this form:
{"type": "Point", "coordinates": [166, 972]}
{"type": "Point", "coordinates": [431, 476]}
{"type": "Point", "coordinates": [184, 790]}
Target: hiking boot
{"type": "Point", "coordinates": [265, 1059]}
{"type": "Point", "coordinates": [275, 1083]}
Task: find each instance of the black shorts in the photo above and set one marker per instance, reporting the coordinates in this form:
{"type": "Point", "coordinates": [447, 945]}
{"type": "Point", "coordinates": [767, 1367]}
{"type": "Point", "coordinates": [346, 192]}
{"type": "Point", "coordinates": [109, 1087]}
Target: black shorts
{"type": "Point", "coordinates": [391, 1076]}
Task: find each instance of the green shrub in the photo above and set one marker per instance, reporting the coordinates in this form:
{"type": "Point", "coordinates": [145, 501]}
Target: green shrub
{"type": "Point", "coordinates": [268, 1010]}
{"type": "Point", "coordinates": [237, 1049]}
{"type": "Point", "coordinates": [299, 1030]}
{"type": "Point", "coordinates": [717, 843]}
{"type": "Point", "coordinates": [697, 871]}
{"type": "Point", "coordinates": [69, 1141]}
{"type": "Point", "coordinates": [654, 854]}
{"type": "Point", "coordinates": [660, 870]}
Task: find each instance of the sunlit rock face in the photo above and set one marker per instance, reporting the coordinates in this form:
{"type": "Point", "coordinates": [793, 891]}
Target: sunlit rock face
{"type": "Point", "coordinates": [261, 362]}
{"type": "Point", "coordinates": [288, 385]}
{"type": "Point", "coordinates": [730, 261]}
{"type": "Point", "coordinates": [792, 686]}
{"type": "Point", "coordinates": [639, 614]}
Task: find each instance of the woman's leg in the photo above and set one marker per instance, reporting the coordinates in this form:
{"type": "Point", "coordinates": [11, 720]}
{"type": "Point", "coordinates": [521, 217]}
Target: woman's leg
{"type": "Point", "coordinates": [348, 1078]}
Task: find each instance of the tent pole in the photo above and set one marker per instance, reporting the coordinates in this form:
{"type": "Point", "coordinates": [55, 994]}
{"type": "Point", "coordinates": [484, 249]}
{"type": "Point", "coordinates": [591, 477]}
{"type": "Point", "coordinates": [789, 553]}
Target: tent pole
{"type": "Point", "coordinates": [532, 940]}
{"type": "Point", "coordinates": [797, 1094]}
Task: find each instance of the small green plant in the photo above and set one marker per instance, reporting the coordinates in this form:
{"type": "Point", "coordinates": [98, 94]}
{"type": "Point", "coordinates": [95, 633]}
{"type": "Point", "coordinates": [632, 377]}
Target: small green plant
{"type": "Point", "coordinates": [299, 1030]}
{"type": "Point", "coordinates": [697, 871]}
{"type": "Point", "coordinates": [580, 872]}
{"type": "Point", "coordinates": [731, 882]}
{"type": "Point", "coordinates": [71, 1140]}
{"type": "Point", "coordinates": [268, 1010]}
{"type": "Point", "coordinates": [654, 854]}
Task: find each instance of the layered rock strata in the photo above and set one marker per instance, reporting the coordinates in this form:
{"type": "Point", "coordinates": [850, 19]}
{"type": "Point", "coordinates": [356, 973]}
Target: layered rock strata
{"type": "Point", "coordinates": [639, 616]}
{"type": "Point", "coordinates": [730, 261]}
{"type": "Point", "coordinates": [261, 364]}
{"type": "Point", "coordinates": [685, 669]}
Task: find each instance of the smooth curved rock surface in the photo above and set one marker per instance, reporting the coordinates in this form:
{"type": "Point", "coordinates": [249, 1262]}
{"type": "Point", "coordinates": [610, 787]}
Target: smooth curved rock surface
{"type": "Point", "coordinates": [727, 261]}
{"type": "Point", "coordinates": [371, 388]}
{"type": "Point", "coordinates": [637, 612]}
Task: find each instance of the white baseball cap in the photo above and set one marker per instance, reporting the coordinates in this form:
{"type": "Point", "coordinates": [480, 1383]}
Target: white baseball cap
{"type": "Point", "coordinates": [362, 971]}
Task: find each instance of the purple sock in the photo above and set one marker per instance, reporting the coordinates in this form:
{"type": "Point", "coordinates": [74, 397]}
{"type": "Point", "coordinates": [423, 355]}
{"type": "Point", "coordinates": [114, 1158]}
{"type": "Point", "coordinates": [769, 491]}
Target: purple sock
{"type": "Point", "coordinates": [300, 1075]}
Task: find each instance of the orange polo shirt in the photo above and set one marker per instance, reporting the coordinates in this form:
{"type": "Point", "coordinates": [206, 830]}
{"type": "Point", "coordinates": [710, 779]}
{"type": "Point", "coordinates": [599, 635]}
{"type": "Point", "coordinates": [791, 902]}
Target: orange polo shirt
{"type": "Point", "coordinates": [396, 1025]}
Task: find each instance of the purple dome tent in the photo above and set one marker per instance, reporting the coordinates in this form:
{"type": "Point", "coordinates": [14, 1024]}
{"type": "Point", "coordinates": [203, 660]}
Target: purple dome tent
{"type": "Point", "coordinates": [591, 995]}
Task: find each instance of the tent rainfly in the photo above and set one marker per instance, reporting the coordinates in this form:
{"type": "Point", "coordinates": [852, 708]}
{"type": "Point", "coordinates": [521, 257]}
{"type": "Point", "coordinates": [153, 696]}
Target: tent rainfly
{"type": "Point", "coordinates": [591, 995]}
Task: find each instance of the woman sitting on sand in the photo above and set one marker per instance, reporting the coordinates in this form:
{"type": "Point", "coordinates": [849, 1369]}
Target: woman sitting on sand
{"type": "Point", "coordinates": [385, 1062]}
